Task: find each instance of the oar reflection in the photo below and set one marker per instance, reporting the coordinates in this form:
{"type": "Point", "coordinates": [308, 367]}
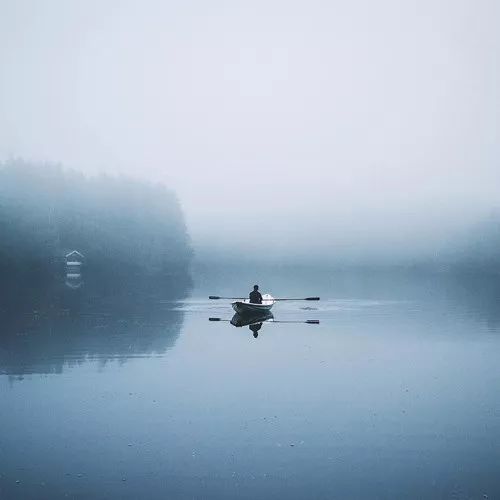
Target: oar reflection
{"type": "Point", "coordinates": [254, 323]}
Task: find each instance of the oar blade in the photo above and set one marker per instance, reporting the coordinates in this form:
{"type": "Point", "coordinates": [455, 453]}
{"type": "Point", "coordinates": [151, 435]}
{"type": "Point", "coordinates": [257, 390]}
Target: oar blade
{"type": "Point", "coordinates": [312, 321]}
{"type": "Point", "coordinates": [214, 319]}
{"type": "Point", "coordinates": [214, 297]}
{"type": "Point", "coordinates": [312, 298]}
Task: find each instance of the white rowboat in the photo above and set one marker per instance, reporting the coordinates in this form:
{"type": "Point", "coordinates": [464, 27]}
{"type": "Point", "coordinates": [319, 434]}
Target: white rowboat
{"type": "Point", "coordinates": [245, 307]}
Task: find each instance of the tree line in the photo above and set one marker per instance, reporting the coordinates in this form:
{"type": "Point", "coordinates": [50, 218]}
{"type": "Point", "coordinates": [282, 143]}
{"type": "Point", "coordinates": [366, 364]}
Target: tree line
{"type": "Point", "coordinates": [132, 234]}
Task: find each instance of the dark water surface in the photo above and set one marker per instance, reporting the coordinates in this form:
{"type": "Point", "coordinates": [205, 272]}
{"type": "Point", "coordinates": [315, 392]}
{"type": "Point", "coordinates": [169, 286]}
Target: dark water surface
{"type": "Point", "coordinates": [394, 395]}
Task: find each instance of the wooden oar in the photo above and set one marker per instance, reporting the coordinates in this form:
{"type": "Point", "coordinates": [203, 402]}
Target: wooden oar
{"type": "Point", "coordinates": [216, 297]}
{"type": "Point", "coordinates": [307, 321]}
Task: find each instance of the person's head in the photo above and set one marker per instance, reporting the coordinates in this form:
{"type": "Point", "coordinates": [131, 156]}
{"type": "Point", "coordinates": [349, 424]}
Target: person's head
{"type": "Point", "coordinates": [256, 288]}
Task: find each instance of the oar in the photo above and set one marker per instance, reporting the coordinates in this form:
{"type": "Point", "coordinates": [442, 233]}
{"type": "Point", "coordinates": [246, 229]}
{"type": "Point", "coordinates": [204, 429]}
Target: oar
{"type": "Point", "coordinates": [305, 298]}
{"type": "Point", "coordinates": [216, 297]}
{"type": "Point", "coordinates": [307, 322]}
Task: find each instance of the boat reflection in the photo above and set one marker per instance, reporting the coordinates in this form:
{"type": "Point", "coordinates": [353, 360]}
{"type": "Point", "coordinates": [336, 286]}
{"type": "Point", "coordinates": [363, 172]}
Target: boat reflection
{"type": "Point", "coordinates": [254, 322]}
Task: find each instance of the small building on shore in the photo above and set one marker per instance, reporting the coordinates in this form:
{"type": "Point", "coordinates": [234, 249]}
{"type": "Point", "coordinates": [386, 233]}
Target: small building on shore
{"type": "Point", "coordinates": [74, 264]}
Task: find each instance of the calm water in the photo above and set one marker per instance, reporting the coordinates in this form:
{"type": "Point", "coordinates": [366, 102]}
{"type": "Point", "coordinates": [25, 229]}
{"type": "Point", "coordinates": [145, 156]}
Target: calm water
{"type": "Point", "coordinates": [394, 395]}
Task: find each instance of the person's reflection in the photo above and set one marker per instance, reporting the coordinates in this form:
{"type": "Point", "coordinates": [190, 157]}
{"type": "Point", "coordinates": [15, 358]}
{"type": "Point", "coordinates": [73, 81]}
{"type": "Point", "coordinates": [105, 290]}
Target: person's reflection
{"type": "Point", "coordinates": [255, 329]}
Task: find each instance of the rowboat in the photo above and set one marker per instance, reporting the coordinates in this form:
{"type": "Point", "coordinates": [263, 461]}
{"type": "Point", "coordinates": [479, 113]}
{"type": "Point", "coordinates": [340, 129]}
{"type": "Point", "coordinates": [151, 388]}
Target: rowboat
{"type": "Point", "coordinates": [245, 307]}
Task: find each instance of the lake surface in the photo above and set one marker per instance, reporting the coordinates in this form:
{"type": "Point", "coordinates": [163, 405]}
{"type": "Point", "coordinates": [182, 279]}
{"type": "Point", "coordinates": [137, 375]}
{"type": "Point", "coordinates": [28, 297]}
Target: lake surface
{"type": "Point", "coordinates": [395, 394]}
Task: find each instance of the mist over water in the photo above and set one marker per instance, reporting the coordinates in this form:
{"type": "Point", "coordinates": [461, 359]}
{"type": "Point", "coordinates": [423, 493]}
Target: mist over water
{"type": "Point", "coordinates": [133, 389]}
{"type": "Point", "coordinates": [153, 154]}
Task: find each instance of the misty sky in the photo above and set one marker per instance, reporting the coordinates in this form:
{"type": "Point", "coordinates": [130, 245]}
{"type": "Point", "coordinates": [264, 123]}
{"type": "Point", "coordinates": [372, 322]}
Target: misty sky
{"type": "Point", "coordinates": [324, 126]}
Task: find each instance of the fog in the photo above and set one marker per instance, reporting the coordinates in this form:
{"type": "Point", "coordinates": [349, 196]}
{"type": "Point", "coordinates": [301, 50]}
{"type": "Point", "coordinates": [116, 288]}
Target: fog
{"type": "Point", "coordinates": [351, 129]}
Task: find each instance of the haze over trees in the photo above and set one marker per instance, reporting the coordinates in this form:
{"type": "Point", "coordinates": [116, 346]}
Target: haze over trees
{"type": "Point", "coordinates": [481, 250]}
{"type": "Point", "coordinates": [132, 234]}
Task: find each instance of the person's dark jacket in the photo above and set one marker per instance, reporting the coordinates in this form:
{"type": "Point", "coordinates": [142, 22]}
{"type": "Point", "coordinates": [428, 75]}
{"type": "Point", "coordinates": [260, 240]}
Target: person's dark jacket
{"type": "Point", "coordinates": [255, 297]}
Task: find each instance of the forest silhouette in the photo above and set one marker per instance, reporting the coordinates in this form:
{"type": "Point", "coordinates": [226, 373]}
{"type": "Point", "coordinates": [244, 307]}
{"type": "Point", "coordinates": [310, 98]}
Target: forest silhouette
{"type": "Point", "coordinates": [132, 234]}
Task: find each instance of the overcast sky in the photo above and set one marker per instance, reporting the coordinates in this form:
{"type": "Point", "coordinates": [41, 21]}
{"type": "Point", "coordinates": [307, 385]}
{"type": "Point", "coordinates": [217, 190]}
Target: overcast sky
{"type": "Point", "coordinates": [323, 126]}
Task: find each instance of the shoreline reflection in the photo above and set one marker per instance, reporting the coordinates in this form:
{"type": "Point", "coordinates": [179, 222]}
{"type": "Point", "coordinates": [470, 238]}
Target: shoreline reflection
{"type": "Point", "coordinates": [82, 328]}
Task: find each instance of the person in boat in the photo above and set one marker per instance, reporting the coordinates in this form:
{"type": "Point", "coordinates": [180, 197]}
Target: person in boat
{"type": "Point", "coordinates": [255, 296]}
